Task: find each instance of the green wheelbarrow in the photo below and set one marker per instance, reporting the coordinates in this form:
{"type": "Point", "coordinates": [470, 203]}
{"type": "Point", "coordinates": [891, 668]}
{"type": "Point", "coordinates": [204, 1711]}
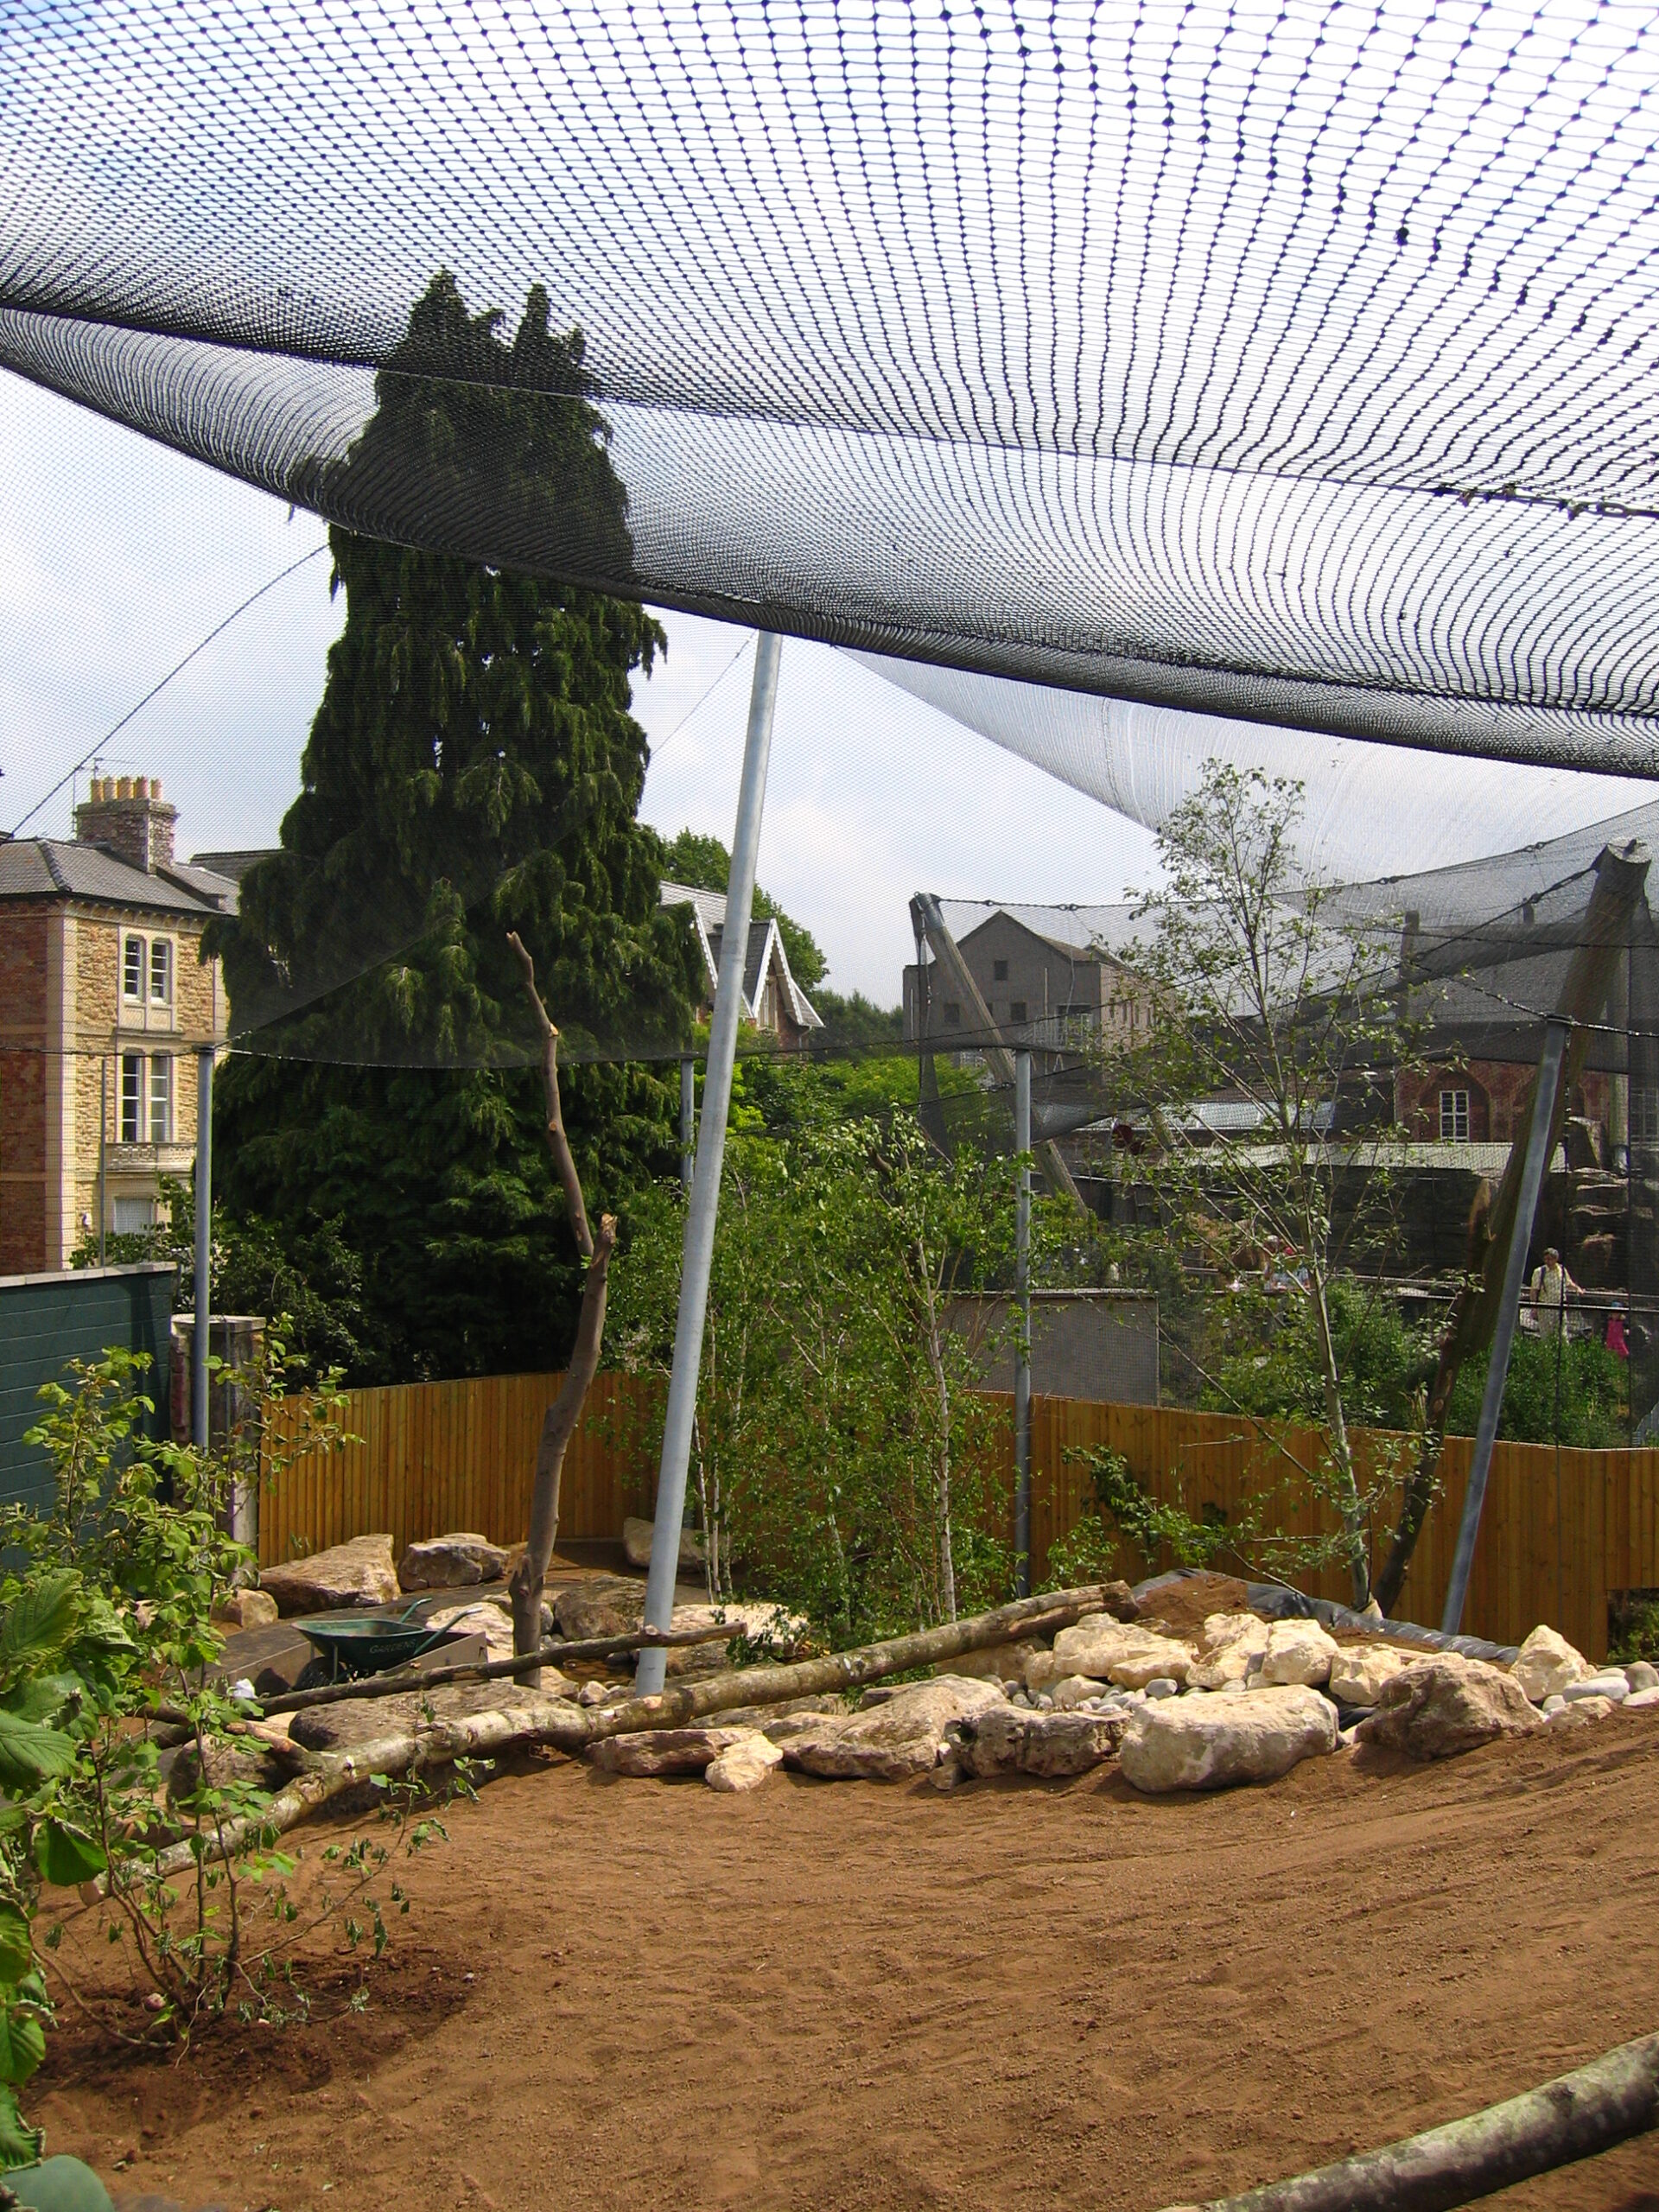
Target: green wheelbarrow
{"type": "Point", "coordinates": [356, 1645]}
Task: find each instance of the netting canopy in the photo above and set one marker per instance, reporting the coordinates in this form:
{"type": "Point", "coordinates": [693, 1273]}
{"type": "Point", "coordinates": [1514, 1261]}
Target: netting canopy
{"type": "Point", "coordinates": [1293, 363]}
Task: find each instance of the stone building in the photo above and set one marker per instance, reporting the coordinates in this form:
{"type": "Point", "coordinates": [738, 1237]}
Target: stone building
{"type": "Point", "coordinates": [106, 999]}
{"type": "Point", "coordinates": [1052, 976]}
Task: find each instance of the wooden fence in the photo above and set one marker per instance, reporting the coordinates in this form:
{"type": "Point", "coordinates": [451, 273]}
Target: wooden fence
{"type": "Point", "coordinates": [1560, 1531]}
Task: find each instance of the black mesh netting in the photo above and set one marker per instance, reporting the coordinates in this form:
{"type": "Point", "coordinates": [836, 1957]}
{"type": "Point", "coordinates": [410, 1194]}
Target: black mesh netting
{"type": "Point", "coordinates": [1292, 364]}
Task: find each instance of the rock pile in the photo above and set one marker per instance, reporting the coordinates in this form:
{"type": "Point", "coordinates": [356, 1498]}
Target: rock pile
{"type": "Point", "coordinates": [1242, 1700]}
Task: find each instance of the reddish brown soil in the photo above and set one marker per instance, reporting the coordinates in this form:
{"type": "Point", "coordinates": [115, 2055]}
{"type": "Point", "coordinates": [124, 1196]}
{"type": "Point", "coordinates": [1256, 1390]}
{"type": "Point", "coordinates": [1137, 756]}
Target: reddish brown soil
{"type": "Point", "coordinates": [840, 1995]}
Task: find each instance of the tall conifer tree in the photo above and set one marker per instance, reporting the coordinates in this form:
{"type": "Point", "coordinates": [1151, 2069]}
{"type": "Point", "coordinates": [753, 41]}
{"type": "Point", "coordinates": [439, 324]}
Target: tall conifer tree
{"type": "Point", "coordinates": [473, 769]}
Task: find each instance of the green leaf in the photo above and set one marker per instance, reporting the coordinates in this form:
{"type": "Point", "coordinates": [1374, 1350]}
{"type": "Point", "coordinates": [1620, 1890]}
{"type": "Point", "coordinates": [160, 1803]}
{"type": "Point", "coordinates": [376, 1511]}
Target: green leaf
{"type": "Point", "coordinates": [29, 1753]}
{"type": "Point", "coordinates": [43, 1697]}
{"type": "Point", "coordinates": [16, 1956]}
{"type": "Point", "coordinates": [23, 2043]}
{"type": "Point", "coordinates": [20, 2143]}
{"type": "Point", "coordinates": [43, 1619]}
{"type": "Point", "coordinates": [64, 1856]}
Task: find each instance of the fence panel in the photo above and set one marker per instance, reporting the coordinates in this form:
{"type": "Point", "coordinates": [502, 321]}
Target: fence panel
{"type": "Point", "coordinates": [1560, 1530]}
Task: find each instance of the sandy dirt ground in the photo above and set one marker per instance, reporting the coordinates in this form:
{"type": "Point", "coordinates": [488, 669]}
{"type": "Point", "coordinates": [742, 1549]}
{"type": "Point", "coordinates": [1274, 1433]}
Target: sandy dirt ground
{"type": "Point", "coordinates": [840, 1996]}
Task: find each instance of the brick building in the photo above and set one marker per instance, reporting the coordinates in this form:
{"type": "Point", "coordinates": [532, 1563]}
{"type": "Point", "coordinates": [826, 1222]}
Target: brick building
{"type": "Point", "coordinates": [106, 1000]}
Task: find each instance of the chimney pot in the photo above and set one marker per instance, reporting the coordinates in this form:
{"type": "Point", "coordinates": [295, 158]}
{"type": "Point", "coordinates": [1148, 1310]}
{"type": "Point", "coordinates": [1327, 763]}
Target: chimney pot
{"type": "Point", "coordinates": [124, 787]}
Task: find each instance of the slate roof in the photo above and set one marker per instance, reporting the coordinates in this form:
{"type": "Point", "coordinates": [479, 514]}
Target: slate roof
{"type": "Point", "coordinates": [765, 948]}
{"type": "Point", "coordinates": [51, 868]}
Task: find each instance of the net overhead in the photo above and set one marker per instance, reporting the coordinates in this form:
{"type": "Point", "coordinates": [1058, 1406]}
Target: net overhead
{"type": "Point", "coordinates": [1292, 365]}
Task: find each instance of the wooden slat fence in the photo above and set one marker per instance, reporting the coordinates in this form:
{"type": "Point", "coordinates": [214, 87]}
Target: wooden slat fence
{"type": "Point", "coordinates": [1560, 1531]}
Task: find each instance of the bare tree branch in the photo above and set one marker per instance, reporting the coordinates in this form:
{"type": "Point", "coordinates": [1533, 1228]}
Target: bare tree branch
{"type": "Point", "coordinates": [557, 1143]}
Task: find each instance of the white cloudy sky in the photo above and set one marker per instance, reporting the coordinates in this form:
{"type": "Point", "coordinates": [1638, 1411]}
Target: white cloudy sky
{"type": "Point", "coordinates": [117, 557]}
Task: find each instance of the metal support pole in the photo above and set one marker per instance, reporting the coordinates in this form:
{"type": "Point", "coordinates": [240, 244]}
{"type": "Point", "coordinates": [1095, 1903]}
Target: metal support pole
{"type": "Point", "coordinates": [1532, 1178]}
{"type": "Point", "coordinates": [1022, 1326]}
{"type": "Point", "coordinates": [687, 1121]}
{"type": "Point", "coordinates": [204, 1245]}
{"type": "Point", "coordinates": [698, 1251]}
{"type": "Point", "coordinates": [103, 1150]}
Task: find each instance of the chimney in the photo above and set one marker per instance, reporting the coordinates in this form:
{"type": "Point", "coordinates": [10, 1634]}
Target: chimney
{"type": "Point", "coordinates": [128, 815]}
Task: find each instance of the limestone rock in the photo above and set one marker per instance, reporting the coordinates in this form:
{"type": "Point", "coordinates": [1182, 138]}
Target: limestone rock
{"type": "Point", "coordinates": [358, 1573]}
{"type": "Point", "coordinates": [1642, 1675]}
{"type": "Point", "coordinates": [1229, 1643]}
{"type": "Point", "coordinates": [1299, 1655]}
{"type": "Point", "coordinates": [892, 1742]}
{"type": "Point", "coordinates": [493, 1623]}
{"type": "Point", "coordinates": [600, 1604]}
{"type": "Point", "coordinates": [1642, 1700]}
{"type": "Point", "coordinates": [1110, 1650]}
{"type": "Point", "coordinates": [232, 1759]}
{"type": "Point", "coordinates": [1580, 1711]}
{"type": "Point", "coordinates": [1609, 1683]}
{"type": "Point", "coordinates": [1446, 1706]}
{"type": "Point", "coordinates": [745, 1765]}
{"type": "Point", "coordinates": [663, 1750]}
{"type": "Point", "coordinates": [1073, 1690]}
{"type": "Point", "coordinates": [451, 1562]}
{"type": "Point", "coordinates": [245, 1609]}
{"type": "Point", "coordinates": [997, 1662]}
{"type": "Point", "coordinates": [1359, 1671]}
{"type": "Point", "coordinates": [1215, 1742]}
{"type": "Point", "coordinates": [1546, 1664]}
{"type": "Point", "coordinates": [1004, 1739]}
{"type": "Point", "coordinates": [636, 1544]}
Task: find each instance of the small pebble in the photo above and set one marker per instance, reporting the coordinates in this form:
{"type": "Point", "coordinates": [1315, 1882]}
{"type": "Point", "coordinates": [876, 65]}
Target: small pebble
{"type": "Point", "coordinates": [1555, 1704]}
{"type": "Point", "coordinates": [1044, 1703]}
{"type": "Point", "coordinates": [1163, 1686]}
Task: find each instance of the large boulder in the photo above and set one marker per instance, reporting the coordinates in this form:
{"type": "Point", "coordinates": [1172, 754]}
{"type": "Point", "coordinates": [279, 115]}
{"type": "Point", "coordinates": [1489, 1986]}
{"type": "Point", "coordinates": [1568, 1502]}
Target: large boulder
{"type": "Point", "coordinates": [357, 1721]}
{"type": "Point", "coordinates": [1228, 1645]}
{"type": "Point", "coordinates": [614, 1604]}
{"type": "Point", "coordinates": [451, 1562]}
{"type": "Point", "coordinates": [1006, 1740]}
{"type": "Point", "coordinates": [744, 1765]}
{"type": "Point", "coordinates": [995, 1663]}
{"type": "Point", "coordinates": [1446, 1706]}
{"type": "Point", "coordinates": [359, 1572]}
{"type": "Point", "coordinates": [600, 1604]}
{"type": "Point", "coordinates": [1299, 1655]}
{"type": "Point", "coordinates": [637, 1537]}
{"type": "Point", "coordinates": [1109, 1651]}
{"type": "Point", "coordinates": [663, 1750]}
{"type": "Point", "coordinates": [493, 1623]}
{"type": "Point", "coordinates": [1546, 1664]}
{"type": "Point", "coordinates": [1359, 1671]}
{"type": "Point", "coordinates": [242, 1609]}
{"type": "Point", "coordinates": [894, 1740]}
{"type": "Point", "coordinates": [1214, 1743]}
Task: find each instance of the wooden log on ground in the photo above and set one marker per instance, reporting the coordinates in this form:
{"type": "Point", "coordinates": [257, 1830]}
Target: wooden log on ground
{"type": "Point", "coordinates": [1577, 2116]}
{"type": "Point", "coordinates": [564, 1726]}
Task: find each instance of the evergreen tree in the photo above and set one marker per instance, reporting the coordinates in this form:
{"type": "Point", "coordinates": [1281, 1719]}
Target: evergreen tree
{"type": "Point", "coordinates": [473, 769]}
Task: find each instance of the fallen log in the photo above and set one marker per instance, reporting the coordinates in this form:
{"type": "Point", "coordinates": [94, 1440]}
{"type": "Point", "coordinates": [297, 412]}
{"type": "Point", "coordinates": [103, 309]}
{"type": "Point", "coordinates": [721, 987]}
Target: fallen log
{"type": "Point", "coordinates": [564, 1726]}
{"type": "Point", "coordinates": [1577, 2116]}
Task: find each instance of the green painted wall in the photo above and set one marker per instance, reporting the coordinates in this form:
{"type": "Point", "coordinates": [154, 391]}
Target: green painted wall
{"type": "Point", "coordinates": [46, 1320]}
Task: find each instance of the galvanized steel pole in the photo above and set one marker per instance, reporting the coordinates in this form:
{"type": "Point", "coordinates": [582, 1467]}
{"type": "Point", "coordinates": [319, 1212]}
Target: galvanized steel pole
{"type": "Point", "coordinates": [204, 1245]}
{"type": "Point", "coordinates": [1022, 1326]}
{"type": "Point", "coordinates": [1532, 1178]}
{"type": "Point", "coordinates": [698, 1251]}
{"type": "Point", "coordinates": [687, 1121]}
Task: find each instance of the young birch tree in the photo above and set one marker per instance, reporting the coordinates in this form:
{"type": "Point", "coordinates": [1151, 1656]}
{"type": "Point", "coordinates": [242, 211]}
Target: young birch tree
{"type": "Point", "coordinates": [1274, 1002]}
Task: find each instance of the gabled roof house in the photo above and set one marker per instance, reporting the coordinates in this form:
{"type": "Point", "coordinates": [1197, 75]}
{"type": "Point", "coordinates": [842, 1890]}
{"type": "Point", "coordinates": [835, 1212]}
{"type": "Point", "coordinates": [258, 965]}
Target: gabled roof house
{"type": "Point", "coordinates": [772, 1000]}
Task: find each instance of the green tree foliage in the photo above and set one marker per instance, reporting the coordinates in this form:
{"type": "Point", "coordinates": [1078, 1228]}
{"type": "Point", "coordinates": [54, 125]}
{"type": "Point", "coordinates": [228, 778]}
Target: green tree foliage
{"type": "Point", "coordinates": [472, 768]}
{"type": "Point", "coordinates": [841, 1463]}
{"type": "Point", "coordinates": [705, 864]}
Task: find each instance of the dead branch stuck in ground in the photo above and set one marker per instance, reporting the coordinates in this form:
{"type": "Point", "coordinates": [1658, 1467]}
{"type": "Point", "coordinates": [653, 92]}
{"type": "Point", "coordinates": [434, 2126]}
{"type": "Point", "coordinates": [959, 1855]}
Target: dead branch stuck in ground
{"type": "Point", "coordinates": [559, 1426]}
{"type": "Point", "coordinates": [1577, 2116]}
{"type": "Point", "coordinates": [561, 1724]}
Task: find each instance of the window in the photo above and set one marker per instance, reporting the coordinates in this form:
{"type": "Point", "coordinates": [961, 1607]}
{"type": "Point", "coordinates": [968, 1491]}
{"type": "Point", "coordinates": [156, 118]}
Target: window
{"type": "Point", "coordinates": [1644, 1115]}
{"type": "Point", "coordinates": [161, 1100]}
{"type": "Point", "coordinates": [161, 970]}
{"type": "Point", "coordinates": [953, 1013]}
{"type": "Point", "coordinates": [134, 1216]}
{"type": "Point", "coordinates": [999, 971]}
{"type": "Point", "coordinates": [1454, 1115]}
{"type": "Point", "coordinates": [132, 967]}
{"type": "Point", "coordinates": [132, 1098]}
{"type": "Point", "coordinates": [1016, 1009]}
